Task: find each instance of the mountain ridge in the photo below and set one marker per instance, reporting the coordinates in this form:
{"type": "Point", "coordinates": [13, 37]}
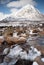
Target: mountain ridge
{"type": "Point", "coordinates": [27, 12]}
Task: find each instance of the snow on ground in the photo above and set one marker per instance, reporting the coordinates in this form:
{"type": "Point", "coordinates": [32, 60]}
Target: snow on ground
{"type": "Point", "coordinates": [15, 35]}
{"type": "Point", "coordinates": [42, 59]}
{"type": "Point", "coordinates": [35, 63]}
{"type": "Point", "coordinates": [31, 55]}
{"type": "Point", "coordinates": [15, 51]}
{"type": "Point", "coordinates": [1, 37]}
{"type": "Point", "coordinates": [31, 31]}
{"type": "Point", "coordinates": [23, 55]}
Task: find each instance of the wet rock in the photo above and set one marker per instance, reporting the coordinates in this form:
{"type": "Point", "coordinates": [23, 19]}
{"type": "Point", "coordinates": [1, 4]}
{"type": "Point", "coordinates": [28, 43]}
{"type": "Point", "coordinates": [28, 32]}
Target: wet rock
{"type": "Point", "coordinates": [1, 64]}
{"type": "Point", "coordinates": [10, 61]}
{"type": "Point", "coordinates": [7, 59]}
{"type": "Point", "coordinates": [23, 62]}
{"type": "Point", "coordinates": [1, 49]}
{"type": "Point", "coordinates": [1, 58]}
{"type": "Point", "coordinates": [0, 43]}
{"type": "Point", "coordinates": [1, 40]}
{"type": "Point", "coordinates": [4, 43]}
{"type": "Point", "coordinates": [13, 61]}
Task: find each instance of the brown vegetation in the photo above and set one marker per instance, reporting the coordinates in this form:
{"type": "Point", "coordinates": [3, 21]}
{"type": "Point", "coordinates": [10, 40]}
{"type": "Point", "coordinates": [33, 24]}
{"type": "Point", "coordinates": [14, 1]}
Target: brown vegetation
{"type": "Point", "coordinates": [38, 60]}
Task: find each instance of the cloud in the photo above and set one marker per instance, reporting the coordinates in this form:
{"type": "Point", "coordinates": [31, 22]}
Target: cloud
{"type": "Point", "coordinates": [13, 11]}
{"type": "Point", "coordinates": [14, 5]}
{"type": "Point", "coordinates": [21, 3]}
{"type": "Point", "coordinates": [2, 15]}
{"type": "Point", "coordinates": [4, 1]}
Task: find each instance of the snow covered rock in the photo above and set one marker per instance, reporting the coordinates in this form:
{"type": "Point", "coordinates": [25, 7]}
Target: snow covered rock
{"type": "Point", "coordinates": [15, 51]}
{"type": "Point", "coordinates": [33, 53]}
{"type": "Point", "coordinates": [23, 55]}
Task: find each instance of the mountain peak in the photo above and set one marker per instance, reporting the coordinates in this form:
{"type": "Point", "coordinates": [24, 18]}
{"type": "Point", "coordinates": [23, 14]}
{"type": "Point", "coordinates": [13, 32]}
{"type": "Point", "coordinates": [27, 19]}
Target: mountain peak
{"type": "Point", "coordinates": [28, 5]}
{"type": "Point", "coordinates": [27, 12]}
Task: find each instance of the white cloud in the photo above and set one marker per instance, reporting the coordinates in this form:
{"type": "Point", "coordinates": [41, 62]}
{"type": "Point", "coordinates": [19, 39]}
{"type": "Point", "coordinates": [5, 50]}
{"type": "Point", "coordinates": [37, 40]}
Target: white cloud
{"type": "Point", "coordinates": [13, 10]}
{"type": "Point", "coordinates": [21, 3]}
{"type": "Point", "coordinates": [2, 15]}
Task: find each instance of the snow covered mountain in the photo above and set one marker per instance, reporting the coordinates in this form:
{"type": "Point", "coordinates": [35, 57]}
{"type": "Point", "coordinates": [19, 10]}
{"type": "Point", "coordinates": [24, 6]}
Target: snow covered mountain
{"type": "Point", "coordinates": [28, 12]}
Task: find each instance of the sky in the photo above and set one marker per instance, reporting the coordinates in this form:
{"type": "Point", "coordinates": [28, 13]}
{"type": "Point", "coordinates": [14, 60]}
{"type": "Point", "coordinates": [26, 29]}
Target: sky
{"type": "Point", "coordinates": [8, 7]}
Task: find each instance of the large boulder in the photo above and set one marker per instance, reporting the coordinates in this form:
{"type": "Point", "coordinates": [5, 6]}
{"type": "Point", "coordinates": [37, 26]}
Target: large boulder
{"type": "Point", "coordinates": [15, 40]}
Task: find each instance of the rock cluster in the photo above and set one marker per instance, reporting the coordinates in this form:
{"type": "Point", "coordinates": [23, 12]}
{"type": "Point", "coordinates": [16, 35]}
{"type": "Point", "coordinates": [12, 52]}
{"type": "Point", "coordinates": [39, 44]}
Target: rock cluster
{"type": "Point", "coordinates": [17, 54]}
